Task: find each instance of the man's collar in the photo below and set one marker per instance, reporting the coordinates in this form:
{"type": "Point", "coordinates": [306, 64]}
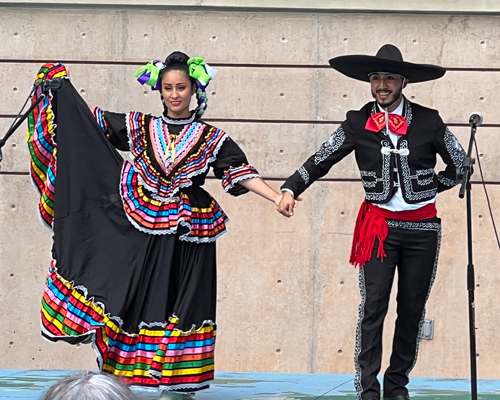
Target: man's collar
{"type": "Point", "coordinates": [398, 110]}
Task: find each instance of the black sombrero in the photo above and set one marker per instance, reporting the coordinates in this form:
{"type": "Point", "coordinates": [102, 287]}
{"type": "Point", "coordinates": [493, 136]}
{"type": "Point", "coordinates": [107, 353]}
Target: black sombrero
{"type": "Point", "coordinates": [387, 59]}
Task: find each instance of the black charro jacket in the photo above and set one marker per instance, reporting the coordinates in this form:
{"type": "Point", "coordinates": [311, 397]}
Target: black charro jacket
{"type": "Point", "coordinates": [414, 157]}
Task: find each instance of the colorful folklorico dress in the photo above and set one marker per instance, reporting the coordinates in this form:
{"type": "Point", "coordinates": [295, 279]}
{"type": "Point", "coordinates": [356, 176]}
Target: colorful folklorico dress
{"type": "Point", "coordinates": [133, 266]}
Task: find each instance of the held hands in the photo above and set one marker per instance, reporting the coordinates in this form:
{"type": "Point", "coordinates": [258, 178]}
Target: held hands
{"type": "Point", "coordinates": [286, 204]}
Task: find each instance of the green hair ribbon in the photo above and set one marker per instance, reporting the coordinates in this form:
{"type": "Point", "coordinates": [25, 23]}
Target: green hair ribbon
{"type": "Point", "coordinates": [200, 70]}
{"type": "Point", "coordinates": [148, 74]}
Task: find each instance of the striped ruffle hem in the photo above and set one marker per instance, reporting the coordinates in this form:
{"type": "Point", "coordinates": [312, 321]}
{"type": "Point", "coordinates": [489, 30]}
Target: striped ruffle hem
{"type": "Point", "coordinates": [158, 356]}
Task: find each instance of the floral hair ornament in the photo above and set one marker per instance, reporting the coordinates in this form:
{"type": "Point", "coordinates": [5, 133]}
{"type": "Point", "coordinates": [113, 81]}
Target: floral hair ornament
{"type": "Point", "coordinates": [202, 73]}
{"type": "Point", "coordinates": [148, 74]}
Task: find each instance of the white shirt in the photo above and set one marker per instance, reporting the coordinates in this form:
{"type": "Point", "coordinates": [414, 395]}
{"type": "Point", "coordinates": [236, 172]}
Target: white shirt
{"type": "Point", "coordinates": [397, 202]}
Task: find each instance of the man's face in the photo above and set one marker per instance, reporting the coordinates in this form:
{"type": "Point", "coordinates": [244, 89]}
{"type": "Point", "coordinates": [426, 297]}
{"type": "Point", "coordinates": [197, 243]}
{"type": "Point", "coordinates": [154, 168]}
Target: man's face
{"type": "Point", "coordinates": [387, 89]}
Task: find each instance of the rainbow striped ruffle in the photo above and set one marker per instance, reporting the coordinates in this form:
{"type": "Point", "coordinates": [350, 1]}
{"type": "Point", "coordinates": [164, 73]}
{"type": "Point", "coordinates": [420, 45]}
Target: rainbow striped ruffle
{"type": "Point", "coordinates": [99, 116]}
{"type": "Point", "coordinates": [41, 145]}
{"type": "Point", "coordinates": [235, 175]}
{"type": "Point", "coordinates": [158, 356]}
{"type": "Point", "coordinates": [195, 149]}
{"type": "Point", "coordinates": [162, 217]}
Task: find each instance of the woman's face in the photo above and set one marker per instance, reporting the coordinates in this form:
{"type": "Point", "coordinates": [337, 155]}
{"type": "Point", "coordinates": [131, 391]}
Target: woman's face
{"type": "Point", "coordinates": [177, 89]}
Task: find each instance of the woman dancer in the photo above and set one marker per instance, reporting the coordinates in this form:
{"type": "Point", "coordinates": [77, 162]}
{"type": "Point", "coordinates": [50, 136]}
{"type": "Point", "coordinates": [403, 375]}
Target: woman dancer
{"type": "Point", "coordinates": [134, 266]}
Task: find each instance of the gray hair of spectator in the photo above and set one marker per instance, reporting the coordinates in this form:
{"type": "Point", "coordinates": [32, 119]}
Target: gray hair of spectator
{"type": "Point", "coordinates": [89, 386]}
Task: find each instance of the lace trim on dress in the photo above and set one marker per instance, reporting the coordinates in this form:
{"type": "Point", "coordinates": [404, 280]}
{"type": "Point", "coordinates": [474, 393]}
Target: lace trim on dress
{"type": "Point", "coordinates": [177, 121]}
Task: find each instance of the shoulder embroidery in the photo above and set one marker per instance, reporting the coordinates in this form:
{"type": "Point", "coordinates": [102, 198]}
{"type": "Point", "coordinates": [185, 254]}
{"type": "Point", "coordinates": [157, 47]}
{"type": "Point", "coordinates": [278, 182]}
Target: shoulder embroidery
{"type": "Point", "coordinates": [454, 148]}
{"type": "Point", "coordinates": [329, 147]}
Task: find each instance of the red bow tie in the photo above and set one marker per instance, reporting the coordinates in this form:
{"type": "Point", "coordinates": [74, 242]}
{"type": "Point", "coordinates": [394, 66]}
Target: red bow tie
{"type": "Point", "coordinates": [397, 123]}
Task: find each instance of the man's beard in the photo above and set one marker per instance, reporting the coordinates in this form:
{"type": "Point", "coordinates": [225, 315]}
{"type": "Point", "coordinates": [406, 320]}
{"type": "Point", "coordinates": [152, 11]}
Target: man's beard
{"type": "Point", "coordinates": [395, 97]}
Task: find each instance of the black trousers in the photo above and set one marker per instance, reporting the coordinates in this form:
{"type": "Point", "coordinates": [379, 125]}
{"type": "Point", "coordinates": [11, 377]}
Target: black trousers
{"type": "Point", "coordinates": [412, 248]}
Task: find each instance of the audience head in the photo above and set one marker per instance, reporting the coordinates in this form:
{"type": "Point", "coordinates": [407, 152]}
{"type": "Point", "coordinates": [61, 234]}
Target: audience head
{"type": "Point", "coordinates": [89, 386]}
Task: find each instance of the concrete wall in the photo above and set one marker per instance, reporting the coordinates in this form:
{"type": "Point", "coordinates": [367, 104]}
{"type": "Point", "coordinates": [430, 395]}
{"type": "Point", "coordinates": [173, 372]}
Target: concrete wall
{"type": "Point", "coordinates": [287, 295]}
{"type": "Point", "coordinates": [391, 6]}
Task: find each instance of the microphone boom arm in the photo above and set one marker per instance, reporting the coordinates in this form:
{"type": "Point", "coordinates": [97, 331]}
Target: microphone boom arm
{"type": "Point", "coordinates": [54, 84]}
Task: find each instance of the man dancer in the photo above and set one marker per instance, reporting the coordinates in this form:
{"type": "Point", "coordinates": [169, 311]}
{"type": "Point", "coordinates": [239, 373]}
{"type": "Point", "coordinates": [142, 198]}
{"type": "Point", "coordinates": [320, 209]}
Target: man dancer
{"type": "Point", "coordinates": [395, 143]}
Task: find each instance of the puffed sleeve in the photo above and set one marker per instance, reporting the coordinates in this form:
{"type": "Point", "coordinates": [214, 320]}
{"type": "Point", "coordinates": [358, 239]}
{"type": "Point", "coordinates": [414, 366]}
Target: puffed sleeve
{"type": "Point", "coordinates": [231, 166]}
{"type": "Point", "coordinates": [338, 145]}
{"type": "Point", "coordinates": [114, 127]}
{"type": "Point", "coordinates": [453, 155]}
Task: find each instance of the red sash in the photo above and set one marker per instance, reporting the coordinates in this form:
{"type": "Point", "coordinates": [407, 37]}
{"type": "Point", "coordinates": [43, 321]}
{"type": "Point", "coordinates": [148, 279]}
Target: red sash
{"type": "Point", "coordinates": [371, 224]}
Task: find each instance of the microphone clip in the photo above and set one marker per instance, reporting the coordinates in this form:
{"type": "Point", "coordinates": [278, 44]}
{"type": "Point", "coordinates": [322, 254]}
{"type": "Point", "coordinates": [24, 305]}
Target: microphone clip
{"type": "Point", "coordinates": [475, 119]}
{"type": "Point", "coordinates": [54, 84]}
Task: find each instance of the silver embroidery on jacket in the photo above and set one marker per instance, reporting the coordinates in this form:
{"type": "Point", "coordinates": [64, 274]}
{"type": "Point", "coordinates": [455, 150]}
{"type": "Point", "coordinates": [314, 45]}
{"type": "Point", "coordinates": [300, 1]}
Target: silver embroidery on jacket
{"type": "Point", "coordinates": [447, 181]}
{"type": "Point", "coordinates": [408, 112]}
{"type": "Point", "coordinates": [368, 174]}
{"type": "Point", "coordinates": [304, 174]}
{"type": "Point", "coordinates": [421, 173]}
{"type": "Point", "coordinates": [329, 147]}
{"type": "Point", "coordinates": [407, 179]}
{"type": "Point", "coordinates": [386, 175]}
{"type": "Point", "coordinates": [454, 148]}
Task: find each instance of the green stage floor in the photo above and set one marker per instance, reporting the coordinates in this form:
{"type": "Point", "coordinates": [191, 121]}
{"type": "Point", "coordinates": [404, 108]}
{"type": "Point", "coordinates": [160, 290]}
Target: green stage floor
{"type": "Point", "coordinates": [31, 384]}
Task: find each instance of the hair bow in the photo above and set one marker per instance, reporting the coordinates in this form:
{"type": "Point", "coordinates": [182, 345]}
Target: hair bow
{"type": "Point", "coordinates": [200, 70]}
{"type": "Point", "coordinates": [148, 74]}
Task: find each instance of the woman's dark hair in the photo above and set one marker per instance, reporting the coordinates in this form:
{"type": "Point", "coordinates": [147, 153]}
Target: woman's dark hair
{"type": "Point", "coordinates": [177, 61]}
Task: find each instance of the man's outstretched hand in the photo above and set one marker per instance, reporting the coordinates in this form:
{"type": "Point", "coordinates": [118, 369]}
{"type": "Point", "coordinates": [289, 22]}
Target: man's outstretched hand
{"type": "Point", "coordinates": [287, 204]}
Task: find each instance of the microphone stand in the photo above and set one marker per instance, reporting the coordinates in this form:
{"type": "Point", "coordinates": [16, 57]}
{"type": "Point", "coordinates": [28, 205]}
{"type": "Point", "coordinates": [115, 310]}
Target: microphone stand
{"type": "Point", "coordinates": [54, 84]}
{"type": "Point", "coordinates": [464, 174]}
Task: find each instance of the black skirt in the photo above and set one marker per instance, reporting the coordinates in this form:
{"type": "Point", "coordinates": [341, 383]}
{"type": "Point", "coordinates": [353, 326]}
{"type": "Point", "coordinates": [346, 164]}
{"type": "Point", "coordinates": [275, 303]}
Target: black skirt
{"type": "Point", "coordinates": [146, 302]}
